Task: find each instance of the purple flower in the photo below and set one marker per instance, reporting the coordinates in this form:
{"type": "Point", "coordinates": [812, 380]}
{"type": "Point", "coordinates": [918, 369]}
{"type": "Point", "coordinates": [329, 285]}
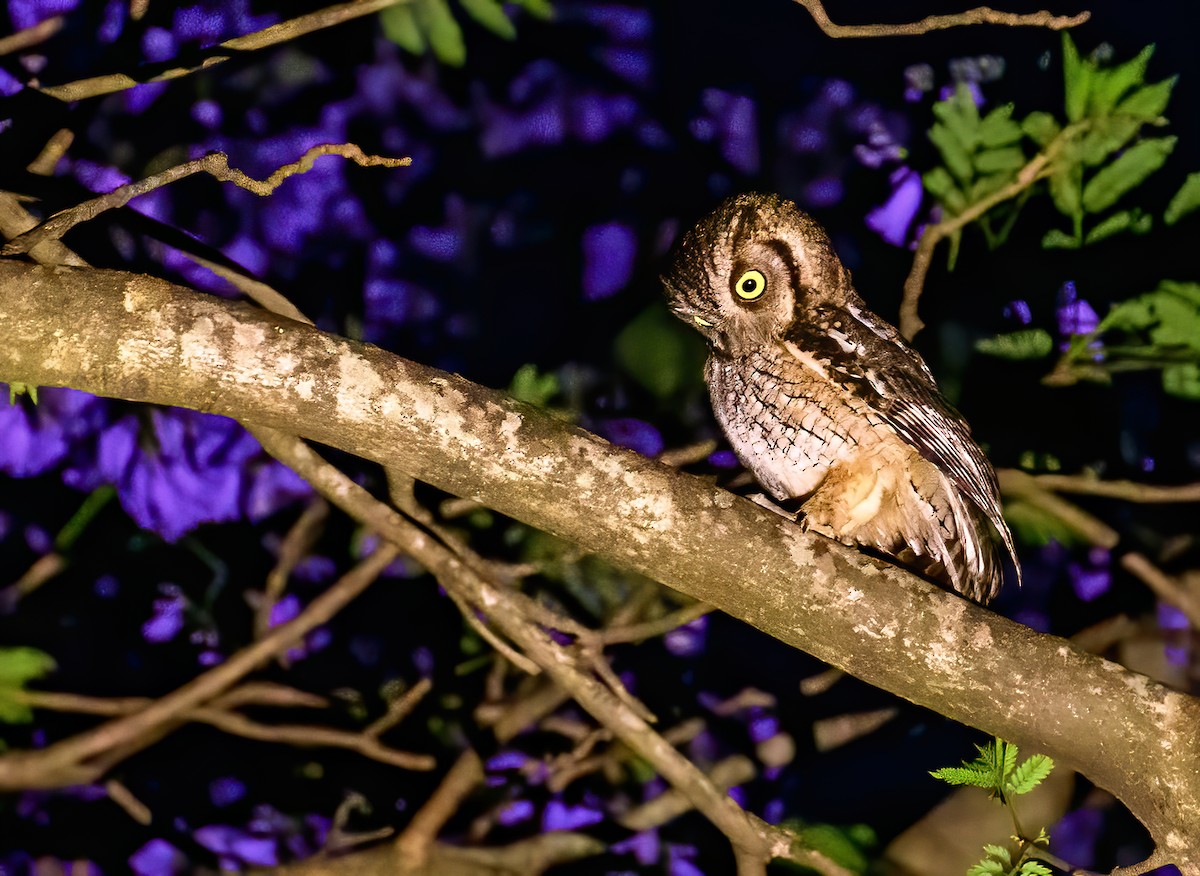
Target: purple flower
{"type": "Point", "coordinates": [507, 760]}
{"type": "Point", "coordinates": [34, 439]}
{"type": "Point", "coordinates": [644, 846]}
{"type": "Point", "coordinates": [680, 861]}
{"type": "Point", "coordinates": [731, 120]}
{"type": "Point", "coordinates": [609, 251]}
{"type": "Point", "coordinates": [167, 620]}
{"type": "Point", "coordinates": [1075, 315]}
{"type": "Point", "coordinates": [723, 459]}
{"type": "Point", "coordinates": [894, 218]}
{"type": "Point", "coordinates": [27, 13]}
{"type": "Point", "coordinates": [824, 191]}
{"type": "Point", "coordinates": [1090, 581]}
{"type": "Point", "coordinates": [1074, 837]}
{"type": "Point", "coordinates": [763, 727]}
{"type": "Point", "coordinates": [515, 812]}
{"type": "Point", "coordinates": [637, 435]}
{"type": "Point", "coordinates": [687, 640]}
{"type": "Point", "coordinates": [226, 791]}
{"type": "Point", "coordinates": [1019, 310]}
{"type": "Point", "coordinates": [188, 468]}
{"type": "Point", "coordinates": [157, 858]}
{"type": "Point", "coordinates": [9, 84]}
{"type": "Point", "coordinates": [559, 816]}
{"type": "Point", "coordinates": [234, 846]}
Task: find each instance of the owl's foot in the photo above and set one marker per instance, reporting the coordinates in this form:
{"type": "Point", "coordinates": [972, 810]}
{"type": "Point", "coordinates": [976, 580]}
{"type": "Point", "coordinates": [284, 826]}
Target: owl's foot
{"type": "Point", "coordinates": [767, 502]}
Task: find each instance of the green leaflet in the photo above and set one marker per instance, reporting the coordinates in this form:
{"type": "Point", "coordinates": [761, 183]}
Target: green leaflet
{"type": "Point", "coordinates": [533, 388]}
{"type": "Point", "coordinates": [1185, 201]}
{"type": "Point", "coordinates": [659, 352]}
{"type": "Point", "coordinates": [1108, 86]}
{"type": "Point", "coordinates": [1126, 172]}
{"type": "Point", "coordinates": [18, 667]}
{"type": "Point", "coordinates": [490, 14]}
{"type": "Point", "coordinates": [1033, 343]}
{"type": "Point", "coordinates": [444, 35]}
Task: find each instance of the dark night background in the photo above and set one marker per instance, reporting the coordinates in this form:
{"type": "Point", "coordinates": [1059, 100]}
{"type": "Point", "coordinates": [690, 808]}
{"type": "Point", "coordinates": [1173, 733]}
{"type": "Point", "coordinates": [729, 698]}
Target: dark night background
{"type": "Point", "coordinates": [551, 175]}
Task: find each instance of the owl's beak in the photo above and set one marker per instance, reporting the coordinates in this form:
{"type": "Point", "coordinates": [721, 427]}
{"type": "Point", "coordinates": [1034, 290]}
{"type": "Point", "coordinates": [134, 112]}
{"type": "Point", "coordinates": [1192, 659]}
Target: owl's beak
{"type": "Point", "coordinates": [701, 321]}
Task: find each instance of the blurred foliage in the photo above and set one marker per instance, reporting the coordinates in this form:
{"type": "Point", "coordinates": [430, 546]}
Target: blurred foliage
{"type": "Point", "coordinates": [419, 26]}
{"type": "Point", "coordinates": [18, 667]}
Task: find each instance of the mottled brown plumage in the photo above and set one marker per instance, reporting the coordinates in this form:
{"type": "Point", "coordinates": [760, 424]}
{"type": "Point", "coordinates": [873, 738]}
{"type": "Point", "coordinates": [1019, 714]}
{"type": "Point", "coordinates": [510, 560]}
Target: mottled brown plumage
{"type": "Point", "coordinates": [824, 401]}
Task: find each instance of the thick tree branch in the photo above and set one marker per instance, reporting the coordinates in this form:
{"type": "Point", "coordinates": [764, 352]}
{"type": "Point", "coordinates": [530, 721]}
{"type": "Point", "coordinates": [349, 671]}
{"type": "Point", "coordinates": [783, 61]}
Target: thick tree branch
{"type": "Point", "coordinates": [135, 337]}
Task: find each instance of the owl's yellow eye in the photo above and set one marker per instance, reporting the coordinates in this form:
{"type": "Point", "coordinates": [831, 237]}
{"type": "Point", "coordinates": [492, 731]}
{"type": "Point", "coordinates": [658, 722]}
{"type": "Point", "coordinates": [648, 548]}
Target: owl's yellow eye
{"type": "Point", "coordinates": [750, 285]}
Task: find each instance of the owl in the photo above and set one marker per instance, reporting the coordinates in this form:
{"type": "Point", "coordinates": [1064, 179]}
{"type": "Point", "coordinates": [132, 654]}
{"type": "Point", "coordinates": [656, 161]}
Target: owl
{"type": "Point", "coordinates": [826, 404]}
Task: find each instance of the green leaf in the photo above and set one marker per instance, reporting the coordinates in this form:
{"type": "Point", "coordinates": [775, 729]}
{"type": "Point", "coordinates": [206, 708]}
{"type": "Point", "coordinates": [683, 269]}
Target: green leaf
{"type": "Point", "coordinates": [1110, 85]}
{"type": "Point", "coordinates": [1106, 136]}
{"type": "Point", "coordinates": [1056, 239]}
{"type": "Point", "coordinates": [1114, 224]}
{"type": "Point", "coordinates": [986, 185]}
{"type": "Point", "coordinates": [1032, 343]}
{"type": "Point", "coordinates": [18, 667]}
{"type": "Point", "coordinates": [1029, 774]}
{"type": "Point", "coordinates": [1006, 758]}
{"type": "Point", "coordinates": [537, 8]}
{"type": "Point", "coordinates": [490, 14]}
{"type": "Point", "coordinates": [1129, 170]}
{"type": "Point", "coordinates": [998, 128]}
{"type": "Point", "coordinates": [939, 183]}
{"type": "Point", "coordinates": [1009, 158]}
{"type": "Point", "coordinates": [976, 776]}
{"type": "Point", "coordinates": [1182, 379]}
{"type": "Point", "coordinates": [960, 115]}
{"type": "Point", "coordinates": [1000, 853]}
{"type": "Point", "coordinates": [834, 844]}
{"type": "Point", "coordinates": [400, 26]}
{"type": "Point", "coordinates": [1034, 868]}
{"type": "Point", "coordinates": [955, 155]}
{"type": "Point", "coordinates": [1066, 183]}
{"type": "Point", "coordinates": [1185, 201]}
{"type": "Point", "coordinates": [1148, 102]}
{"type": "Point", "coordinates": [444, 34]}
{"type": "Point", "coordinates": [533, 388]}
{"type": "Point", "coordinates": [659, 352]}
{"type": "Point", "coordinates": [1040, 127]}
{"type": "Point", "coordinates": [1077, 79]}
{"type": "Point", "coordinates": [1036, 527]}
{"type": "Point", "coordinates": [987, 867]}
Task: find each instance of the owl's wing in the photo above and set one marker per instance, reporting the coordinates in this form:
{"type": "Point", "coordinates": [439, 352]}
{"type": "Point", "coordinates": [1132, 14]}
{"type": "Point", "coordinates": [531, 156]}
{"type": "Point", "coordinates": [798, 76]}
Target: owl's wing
{"type": "Point", "coordinates": [878, 366]}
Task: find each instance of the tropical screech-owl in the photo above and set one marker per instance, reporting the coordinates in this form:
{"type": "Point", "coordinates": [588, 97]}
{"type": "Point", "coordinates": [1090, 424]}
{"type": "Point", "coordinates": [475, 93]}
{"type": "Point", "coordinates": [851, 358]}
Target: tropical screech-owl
{"type": "Point", "coordinates": [824, 401]}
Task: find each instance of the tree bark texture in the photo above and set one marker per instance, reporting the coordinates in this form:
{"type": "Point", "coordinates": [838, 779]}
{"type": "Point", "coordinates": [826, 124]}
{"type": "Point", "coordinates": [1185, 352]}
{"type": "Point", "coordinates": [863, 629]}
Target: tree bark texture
{"type": "Point", "coordinates": [135, 337]}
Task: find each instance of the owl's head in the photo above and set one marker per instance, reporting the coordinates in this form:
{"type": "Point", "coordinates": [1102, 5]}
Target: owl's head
{"type": "Point", "coordinates": [750, 269]}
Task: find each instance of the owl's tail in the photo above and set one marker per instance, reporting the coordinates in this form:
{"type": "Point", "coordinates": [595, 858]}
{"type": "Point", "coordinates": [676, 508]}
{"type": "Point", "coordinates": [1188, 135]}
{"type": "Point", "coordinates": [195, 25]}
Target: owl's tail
{"type": "Point", "coordinates": [908, 510]}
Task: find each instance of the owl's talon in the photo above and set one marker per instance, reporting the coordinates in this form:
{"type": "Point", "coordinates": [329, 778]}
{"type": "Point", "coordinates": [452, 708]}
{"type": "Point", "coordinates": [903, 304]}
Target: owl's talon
{"type": "Point", "coordinates": [767, 502]}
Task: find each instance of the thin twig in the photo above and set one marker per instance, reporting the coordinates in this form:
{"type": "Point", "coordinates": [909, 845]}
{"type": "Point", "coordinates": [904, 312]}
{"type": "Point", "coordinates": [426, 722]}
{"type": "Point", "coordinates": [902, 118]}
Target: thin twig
{"type": "Point", "coordinates": [652, 629]}
{"type": "Point", "coordinates": [1037, 168]}
{"type": "Point", "coordinates": [399, 708]}
{"type": "Point", "coordinates": [30, 36]}
{"type": "Point", "coordinates": [466, 774]}
{"type": "Point", "coordinates": [295, 546]}
{"type": "Point", "coordinates": [1017, 484]}
{"type": "Point", "coordinates": [1164, 586]}
{"type": "Point", "coordinates": [509, 612]}
{"type": "Point", "coordinates": [123, 797]}
{"type": "Point", "coordinates": [979, 15]}
{"type": "Point", "coordinates": [15, 221]}
{"type": "Point", "coordinates": [216, 164]}
{"type": "Point", "coordinates": [1129, 491]}
{"type": "Point", "coordinates": [83, 757]}
{"type": "Point", "coordinates": [283, 32]}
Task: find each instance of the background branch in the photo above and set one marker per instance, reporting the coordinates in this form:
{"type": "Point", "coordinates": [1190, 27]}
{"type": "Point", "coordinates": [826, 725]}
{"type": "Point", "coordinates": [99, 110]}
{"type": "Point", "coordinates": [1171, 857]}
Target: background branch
{"type": "Point", "coordinates": [978, 15]}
